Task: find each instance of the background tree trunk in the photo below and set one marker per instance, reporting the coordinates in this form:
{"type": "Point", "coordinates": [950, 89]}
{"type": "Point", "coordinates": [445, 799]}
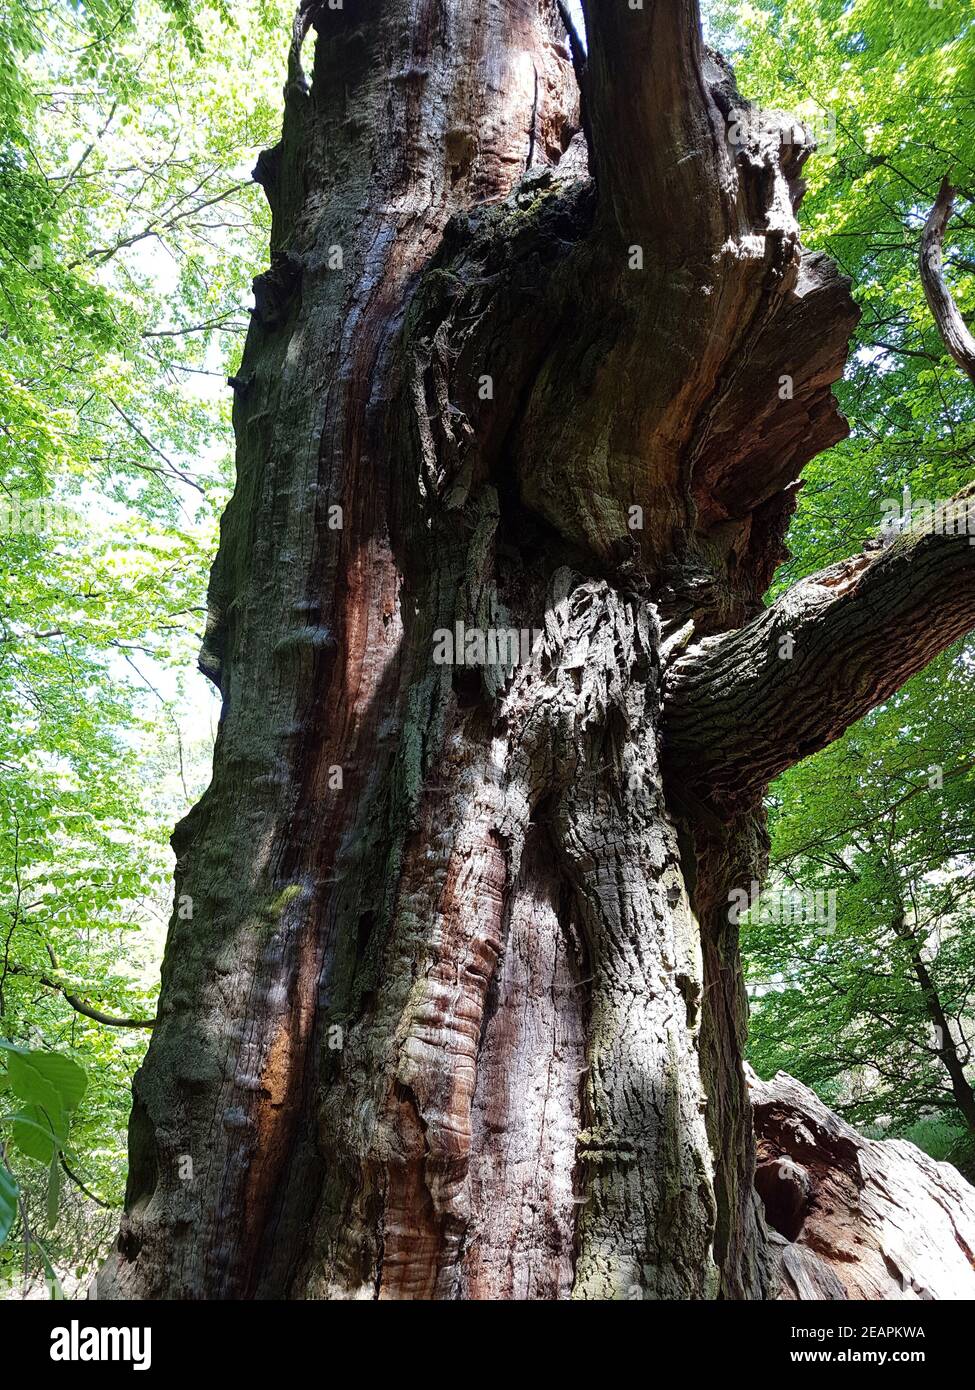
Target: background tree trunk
{"type": "Point", "coordinates": [943, 1042]}
{"type": "Point", "coordinates": [459, 1012]}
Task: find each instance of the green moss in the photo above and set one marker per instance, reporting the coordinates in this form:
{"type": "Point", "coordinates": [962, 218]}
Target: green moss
{"type": "Point", "coordinates": [274, 909]}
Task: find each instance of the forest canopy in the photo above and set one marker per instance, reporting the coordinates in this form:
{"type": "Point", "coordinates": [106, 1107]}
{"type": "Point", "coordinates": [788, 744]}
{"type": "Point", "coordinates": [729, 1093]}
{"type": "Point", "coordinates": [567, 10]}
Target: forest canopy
{"type": "Point", "coordinates": [130, 232]}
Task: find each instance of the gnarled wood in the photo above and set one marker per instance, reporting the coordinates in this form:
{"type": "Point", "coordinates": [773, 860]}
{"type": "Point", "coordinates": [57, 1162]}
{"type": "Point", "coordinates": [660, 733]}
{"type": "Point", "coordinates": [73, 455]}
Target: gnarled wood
{"type": "Point", "coordinates": [859, 1218]}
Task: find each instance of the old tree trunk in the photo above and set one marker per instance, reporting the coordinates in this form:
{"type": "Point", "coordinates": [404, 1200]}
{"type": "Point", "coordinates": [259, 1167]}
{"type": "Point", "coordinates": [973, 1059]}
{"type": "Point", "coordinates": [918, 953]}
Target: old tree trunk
{"type": "Point", "coordinates": [459, 1011]}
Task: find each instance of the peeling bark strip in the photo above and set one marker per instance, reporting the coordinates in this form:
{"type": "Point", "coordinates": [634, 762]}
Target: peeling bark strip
{"type": "Point", "coordinates": [524, 1178]}
{"type": "Point", "coordinates": [460, 1011]}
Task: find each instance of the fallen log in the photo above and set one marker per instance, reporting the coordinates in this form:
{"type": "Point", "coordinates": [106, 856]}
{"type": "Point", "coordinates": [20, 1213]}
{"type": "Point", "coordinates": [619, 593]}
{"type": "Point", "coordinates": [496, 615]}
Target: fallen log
{"type": "Point", "coordinates": [856, 1218]}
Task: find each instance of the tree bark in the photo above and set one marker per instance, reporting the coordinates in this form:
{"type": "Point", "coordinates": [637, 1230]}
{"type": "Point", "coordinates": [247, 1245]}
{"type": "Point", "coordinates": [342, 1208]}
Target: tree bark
{"type": "Point", "coordinates": [857, 1218]}
{"type": "Point", "coordinates": [952, 327]}
{"type": "Point", "coordinates": [743, 706]}
{"type": "Point", "coordinates": [459, 1013]}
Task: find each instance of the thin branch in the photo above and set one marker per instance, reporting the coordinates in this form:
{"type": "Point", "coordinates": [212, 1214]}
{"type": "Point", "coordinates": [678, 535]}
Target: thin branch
{"type": "Point", "coordinates": [80, 1005]}
{"type": "Point", "coordinates": [218, 323]}
{"type": "Point", "coordinates": [957, 339]}
{"type": "Point", "coordinates": [173, 470]}
{"type": "Point", "coordinates": [81, 1186]}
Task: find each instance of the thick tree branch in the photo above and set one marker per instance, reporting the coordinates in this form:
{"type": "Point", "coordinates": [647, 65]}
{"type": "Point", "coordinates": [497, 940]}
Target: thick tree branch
{"type": "Point", "coordinates": [658, 136]}
{"type": "Point", "coordinates": [742, 707]}
{"type": "Point", "coordinates": [957, 339]}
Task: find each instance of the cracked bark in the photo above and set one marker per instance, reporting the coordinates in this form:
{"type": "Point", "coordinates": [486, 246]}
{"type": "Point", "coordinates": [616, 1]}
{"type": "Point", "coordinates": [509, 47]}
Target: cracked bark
{"type": "Point", "coordinates": [466, 1020]}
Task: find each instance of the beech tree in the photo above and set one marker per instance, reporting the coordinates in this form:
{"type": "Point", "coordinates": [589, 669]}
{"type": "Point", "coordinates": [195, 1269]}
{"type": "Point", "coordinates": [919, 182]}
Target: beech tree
{"type": "Point", "coordinates": [459, 1011]}
{"type": "Point", "coordinates": [128, 229]}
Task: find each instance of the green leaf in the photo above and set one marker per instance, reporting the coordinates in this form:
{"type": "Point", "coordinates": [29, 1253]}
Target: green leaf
{"type": "Point", "coordinates": [9, 1193]}
{"type": "Point", "coordinates": [35, 1136]}
{"type": "Point", "coordinates": [46, 1079]}
{"type": "Point", "coordinates": [53, 1282]}
{"type": "Point", "coordinates": [65, 1075]}
{"type": "Point", "coordinates": [28, 1084]}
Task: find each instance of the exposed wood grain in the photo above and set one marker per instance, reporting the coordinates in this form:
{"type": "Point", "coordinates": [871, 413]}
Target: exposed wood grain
{"type": "Point", "coordinates": [859, 1218]}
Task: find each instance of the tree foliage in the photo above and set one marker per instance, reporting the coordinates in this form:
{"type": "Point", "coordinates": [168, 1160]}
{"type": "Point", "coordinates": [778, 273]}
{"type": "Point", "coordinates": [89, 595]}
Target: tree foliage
{"type": "Point", "coordinates": [883, 817]}
{"type": "Point", "coordinates": [129, 231]}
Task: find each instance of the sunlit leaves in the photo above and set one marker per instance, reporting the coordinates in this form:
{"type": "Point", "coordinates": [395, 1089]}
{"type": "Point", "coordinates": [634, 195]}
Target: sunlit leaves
{"type": "Point", "coordinates": [884, 816]}
{"type": "Point", "coordinates": [129, 234]}
{"type": "Point", "coordinates": [50, 1087]}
